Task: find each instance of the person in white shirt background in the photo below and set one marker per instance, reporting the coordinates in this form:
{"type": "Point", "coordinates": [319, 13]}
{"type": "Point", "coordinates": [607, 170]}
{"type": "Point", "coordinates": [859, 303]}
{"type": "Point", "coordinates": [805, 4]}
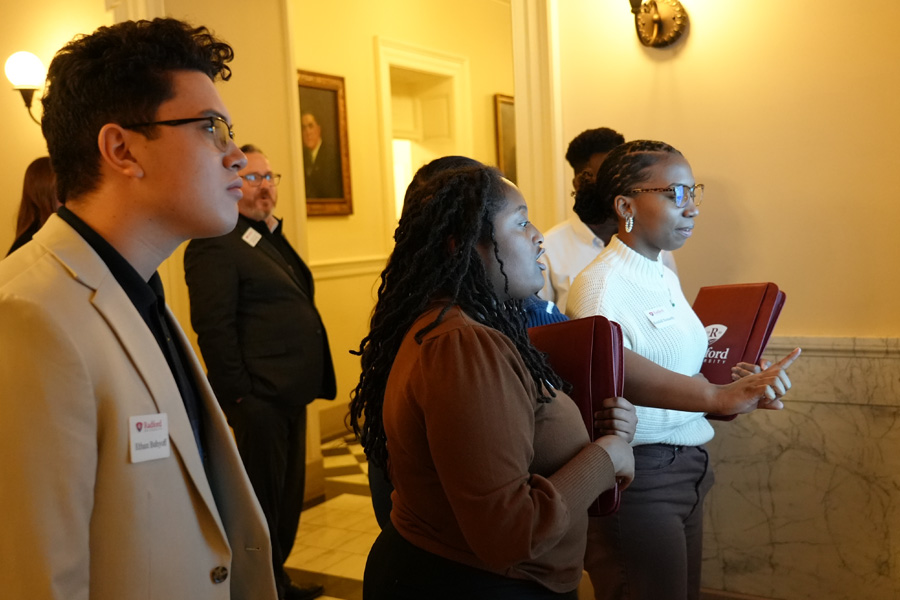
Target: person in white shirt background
{"type": "Point", "coordinates": [571, 245]}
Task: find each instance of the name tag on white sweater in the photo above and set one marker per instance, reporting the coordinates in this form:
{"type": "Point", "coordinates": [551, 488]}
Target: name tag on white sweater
{"type": "Point", "coordinates": [661, 317]}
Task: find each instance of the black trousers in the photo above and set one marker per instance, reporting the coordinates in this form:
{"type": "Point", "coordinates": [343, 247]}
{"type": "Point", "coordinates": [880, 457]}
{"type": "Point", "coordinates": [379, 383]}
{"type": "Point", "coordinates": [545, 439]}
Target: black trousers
{"type": "Point", "coordinates": [398, 570]}
{"type": "Point", "coordinates": [381, 490]}
{"type": "Point", "coordinates": [652, 549]}
{"type": "Point", "coordinates": [271, 439]}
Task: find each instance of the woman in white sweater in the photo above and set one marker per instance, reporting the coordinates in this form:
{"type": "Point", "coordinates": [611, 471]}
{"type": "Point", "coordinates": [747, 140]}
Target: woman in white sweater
{"type": "Point", "coordinates": [651, 549]}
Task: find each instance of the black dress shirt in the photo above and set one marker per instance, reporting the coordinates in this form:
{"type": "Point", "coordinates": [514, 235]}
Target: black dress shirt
{"type": "Point", "coordinates": [149, 299]}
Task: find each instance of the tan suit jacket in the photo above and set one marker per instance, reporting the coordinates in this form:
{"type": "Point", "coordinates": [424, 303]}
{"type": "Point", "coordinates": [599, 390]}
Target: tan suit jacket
{"type": "Point", "coordinates": [80, 520]}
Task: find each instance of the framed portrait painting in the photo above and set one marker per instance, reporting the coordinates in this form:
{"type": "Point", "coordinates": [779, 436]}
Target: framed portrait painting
{"type": "Point", "coordinates": [326, 152]}
{"type": "Point", "coordinates": [505, 116]}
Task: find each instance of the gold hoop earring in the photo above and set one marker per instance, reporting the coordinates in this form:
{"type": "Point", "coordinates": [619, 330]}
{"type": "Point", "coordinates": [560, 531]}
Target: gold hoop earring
{"type": "Point", "coordinates": [629, 223]}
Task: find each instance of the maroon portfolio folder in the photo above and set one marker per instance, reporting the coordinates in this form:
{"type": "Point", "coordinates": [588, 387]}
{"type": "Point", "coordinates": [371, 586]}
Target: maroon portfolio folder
{"type": "Point", "coordinates": [739, 320]}
{"type": "Point", "coordinates": [588, 354]}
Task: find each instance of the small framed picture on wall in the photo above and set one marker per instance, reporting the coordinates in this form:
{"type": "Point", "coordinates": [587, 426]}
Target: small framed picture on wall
{"type": "Point", "coordinates": [326, 152]}
{"type": "Point", "coordinates": [505, 116]}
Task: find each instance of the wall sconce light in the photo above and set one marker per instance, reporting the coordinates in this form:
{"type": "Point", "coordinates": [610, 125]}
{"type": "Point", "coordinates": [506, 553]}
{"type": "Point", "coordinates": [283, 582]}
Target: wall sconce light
{"type": "Point", "coordinates": [26, 73]}
{"type": "Point", "coordinates": [659, 23]}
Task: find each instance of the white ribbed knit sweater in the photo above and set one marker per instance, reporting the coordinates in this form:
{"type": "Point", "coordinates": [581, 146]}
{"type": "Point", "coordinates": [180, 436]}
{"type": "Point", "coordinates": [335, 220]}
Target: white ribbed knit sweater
{"type": "Point", "coordinates": [625, 287]}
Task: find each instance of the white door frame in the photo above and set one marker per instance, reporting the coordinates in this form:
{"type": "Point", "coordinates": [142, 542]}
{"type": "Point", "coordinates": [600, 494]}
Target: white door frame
{"type": "Point", "coordinates": [540, 147]}
{"type": "Point", "coordinates": [391, 53]}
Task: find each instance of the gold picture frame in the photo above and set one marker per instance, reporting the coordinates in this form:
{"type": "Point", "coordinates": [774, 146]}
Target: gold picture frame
{"type": "Point", "coordinates": [505, 117]}
{"type": "Point", "coordinates": [326, 150]}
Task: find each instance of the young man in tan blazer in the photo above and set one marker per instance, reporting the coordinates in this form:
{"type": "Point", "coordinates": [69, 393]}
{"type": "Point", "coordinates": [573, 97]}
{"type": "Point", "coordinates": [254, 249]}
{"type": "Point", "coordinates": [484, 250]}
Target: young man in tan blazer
{"type": "Point", "coordinates": [119, 477]}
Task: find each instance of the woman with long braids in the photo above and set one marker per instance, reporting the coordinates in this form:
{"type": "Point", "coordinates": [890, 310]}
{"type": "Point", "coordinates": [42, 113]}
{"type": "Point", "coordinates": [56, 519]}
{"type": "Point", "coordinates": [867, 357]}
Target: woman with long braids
{"type": "Point", "coordinates": [380, 486]}
{"type": "Point", "coordinates": [492, 468]}
{"type": "Point", "coordinates": [652, 548]}
{"type": "Point", "coordinates": [537, 312]}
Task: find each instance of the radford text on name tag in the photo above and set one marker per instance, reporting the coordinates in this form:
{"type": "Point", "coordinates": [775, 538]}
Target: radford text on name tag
{"type": "Point", "coordinates": [148, 437]}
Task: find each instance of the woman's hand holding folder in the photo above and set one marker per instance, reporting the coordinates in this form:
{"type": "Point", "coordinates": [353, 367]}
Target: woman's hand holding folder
{"type": "Point", "coordinates": [616, 417]}
{"type": "Point", "coordinates": [622, 457]}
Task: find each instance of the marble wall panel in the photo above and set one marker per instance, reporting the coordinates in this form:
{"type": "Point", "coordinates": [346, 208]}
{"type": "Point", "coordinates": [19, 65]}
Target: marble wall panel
{"type": "Point", "coordinates": [807, 500]}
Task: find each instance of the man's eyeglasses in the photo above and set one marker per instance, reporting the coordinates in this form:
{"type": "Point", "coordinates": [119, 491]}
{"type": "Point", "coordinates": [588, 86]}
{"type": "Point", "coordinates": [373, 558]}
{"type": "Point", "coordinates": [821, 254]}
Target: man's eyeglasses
{"type": "Point", "coordinates": [256, 179]}
{"type": "Point", "coordinates": [584, 178]}
{"type": "Point", "coordinates": [679, 193]}
{"type": "Point", "coordinates": [221, 130]}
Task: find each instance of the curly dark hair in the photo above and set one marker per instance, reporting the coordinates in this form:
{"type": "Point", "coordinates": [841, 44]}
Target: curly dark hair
{"type": "Point", "coordinates": [623, 169]}
{"type": "Point", "coordinates": [590, 142]}
{"type": "Point", "coordinates": [118, 74]}
{"type": "Point", "coordinates": [436, 257]}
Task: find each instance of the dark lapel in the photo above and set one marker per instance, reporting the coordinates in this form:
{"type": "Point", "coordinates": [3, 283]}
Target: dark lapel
{"type": "Point", "coordinates": [303, 280]}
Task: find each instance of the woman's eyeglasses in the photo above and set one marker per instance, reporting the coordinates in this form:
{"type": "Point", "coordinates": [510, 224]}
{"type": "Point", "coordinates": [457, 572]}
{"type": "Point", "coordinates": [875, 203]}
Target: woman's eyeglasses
{"type": "Point", "coordinates": [679, 193]}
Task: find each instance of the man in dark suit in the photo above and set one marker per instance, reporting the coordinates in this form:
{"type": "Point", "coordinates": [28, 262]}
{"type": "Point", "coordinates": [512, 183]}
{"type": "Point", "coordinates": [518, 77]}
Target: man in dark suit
{"type": "Point", "coordinates": [266, 351]}
{"type": "Point", "coordinates": [321, 161]}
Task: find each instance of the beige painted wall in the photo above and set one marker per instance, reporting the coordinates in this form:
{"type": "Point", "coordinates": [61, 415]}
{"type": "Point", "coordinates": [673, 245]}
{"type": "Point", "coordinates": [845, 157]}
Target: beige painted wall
{"type": "Point", "coordinates": [338, 38]}
{"type": "Point", "coordinates": [41, 28]}
{"type": "Point", "coordinates": [788, 112]}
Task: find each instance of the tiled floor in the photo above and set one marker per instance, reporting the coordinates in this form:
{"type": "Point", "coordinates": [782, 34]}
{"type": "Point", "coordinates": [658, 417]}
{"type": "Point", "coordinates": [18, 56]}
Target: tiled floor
{"type": "Point", "coordinates": [335, 536]}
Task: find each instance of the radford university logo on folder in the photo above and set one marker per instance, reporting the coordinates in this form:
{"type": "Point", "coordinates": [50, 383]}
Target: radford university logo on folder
{"type": "Point", "coordinates": [739, 320]}
{"type": "Point", "coordinates": [713, 334]}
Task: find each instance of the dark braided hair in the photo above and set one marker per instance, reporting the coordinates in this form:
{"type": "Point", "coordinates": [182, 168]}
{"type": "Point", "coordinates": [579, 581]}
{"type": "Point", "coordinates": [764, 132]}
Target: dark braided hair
{"type": "Point", "coordinates": [623, 169]}
{"type": "Point", "coordinates": [436, 257]}
{"type": "Point", "coordinates": [429, 171]}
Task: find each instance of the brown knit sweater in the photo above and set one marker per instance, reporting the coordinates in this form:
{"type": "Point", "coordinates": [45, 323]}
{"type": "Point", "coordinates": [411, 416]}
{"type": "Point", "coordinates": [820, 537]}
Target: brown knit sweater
{"type": "Point", "coordinates": [484, 474]}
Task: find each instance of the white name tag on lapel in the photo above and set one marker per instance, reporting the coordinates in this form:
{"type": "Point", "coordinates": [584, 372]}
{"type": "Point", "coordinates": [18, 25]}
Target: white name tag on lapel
{"type": "Point", "coordinates": [148, 437]}
{"type": "Point", "coordinates": [661, 317]}
{"type": "Point", "coordinates": [252, 237]}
